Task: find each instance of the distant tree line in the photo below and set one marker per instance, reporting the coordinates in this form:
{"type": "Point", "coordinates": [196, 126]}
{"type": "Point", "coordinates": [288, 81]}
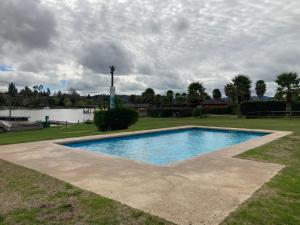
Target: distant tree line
{"type": "Point", "coordinates": [39, 97]}
{"type": "Point", "coordinates": [237, 92]}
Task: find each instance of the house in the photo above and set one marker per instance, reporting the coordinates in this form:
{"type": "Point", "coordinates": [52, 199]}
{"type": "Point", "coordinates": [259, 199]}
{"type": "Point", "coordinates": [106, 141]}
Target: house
{"type": "Point", "coordinates": [221, 103]}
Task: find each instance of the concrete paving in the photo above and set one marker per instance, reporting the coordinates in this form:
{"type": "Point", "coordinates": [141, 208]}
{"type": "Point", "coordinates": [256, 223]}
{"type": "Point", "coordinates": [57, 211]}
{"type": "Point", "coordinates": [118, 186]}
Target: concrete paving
{"type": "Point", "coordinates": [201, 190]}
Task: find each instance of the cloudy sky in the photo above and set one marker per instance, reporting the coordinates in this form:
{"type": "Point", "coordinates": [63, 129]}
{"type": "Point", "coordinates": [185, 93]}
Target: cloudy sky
{"type": "Point", "coordinates": [163, 44]}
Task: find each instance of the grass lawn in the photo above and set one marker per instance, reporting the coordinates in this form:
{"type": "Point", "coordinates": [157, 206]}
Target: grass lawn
{"type": "Point", "coordinates": [27, 197]}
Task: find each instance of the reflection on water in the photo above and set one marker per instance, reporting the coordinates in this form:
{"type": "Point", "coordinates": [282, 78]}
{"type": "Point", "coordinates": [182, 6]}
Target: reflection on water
{"type": "Point", "coordinates": [70, 115]}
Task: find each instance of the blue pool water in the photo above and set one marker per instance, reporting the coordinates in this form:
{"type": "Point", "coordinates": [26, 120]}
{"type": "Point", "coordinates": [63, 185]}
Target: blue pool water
{"type": "Point", "coordinates": [163, 148]}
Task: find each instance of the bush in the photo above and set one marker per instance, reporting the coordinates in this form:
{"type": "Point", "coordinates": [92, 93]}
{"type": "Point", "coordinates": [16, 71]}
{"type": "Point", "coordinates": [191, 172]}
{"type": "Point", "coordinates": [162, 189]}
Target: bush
{"type": "Point", "coordinates": [170, 112]}
{"type": "Point", "coordinates": [115, 119]}
{"type": "Point", "coordinates": [198, 112]}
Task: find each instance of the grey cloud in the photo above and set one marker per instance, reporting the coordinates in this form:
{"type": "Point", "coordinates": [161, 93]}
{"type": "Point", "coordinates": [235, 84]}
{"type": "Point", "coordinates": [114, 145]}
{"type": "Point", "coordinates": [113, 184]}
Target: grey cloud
{"type": "Point", "coordinates": [98, 56]}
{"type": "Point", "coordinates": [160, 44]}
{"type": "Point", "coordinates": [28, 78]}
{"type": "Point", "coordinates": [26, 22]}
{"type": "Point", "coordinates": [181, 25]}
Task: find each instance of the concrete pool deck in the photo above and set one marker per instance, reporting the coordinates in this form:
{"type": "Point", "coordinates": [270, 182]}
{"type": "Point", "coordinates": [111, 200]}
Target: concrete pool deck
{"type": "Point", "coordinates": [201, 190]}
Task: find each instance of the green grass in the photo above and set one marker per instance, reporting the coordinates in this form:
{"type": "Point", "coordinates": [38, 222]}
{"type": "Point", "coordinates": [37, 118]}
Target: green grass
{"type": "Point", "coordinates": [147, 123]}
{"type": "Point", "coordinates": [28, 197]}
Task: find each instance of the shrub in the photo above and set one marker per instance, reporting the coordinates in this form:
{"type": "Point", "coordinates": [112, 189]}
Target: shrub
{"type": "Point", "coordinates": [198, 112]}
{"type": "Point", "coordinates": [115, 119]}
{"type": "Point", "coordinates": [170, 112]}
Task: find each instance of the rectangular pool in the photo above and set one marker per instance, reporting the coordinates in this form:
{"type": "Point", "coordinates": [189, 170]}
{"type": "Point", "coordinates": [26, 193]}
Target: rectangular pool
{"type": "Point", "coordinates": [166, 147]}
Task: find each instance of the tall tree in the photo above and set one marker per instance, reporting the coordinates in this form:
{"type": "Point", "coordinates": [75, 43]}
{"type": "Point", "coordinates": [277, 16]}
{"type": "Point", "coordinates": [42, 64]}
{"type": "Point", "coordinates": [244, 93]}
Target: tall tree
{"type": "Point", "coordinates": [74, 96]}
{"type": "Point", "coordinates": [260, 88]}
{"type": "Point", "coordinates": [238, 90]}
{"type": "Point", "coordinates": [289, 84]}
{"type": "Point", "coordinates": [12, 90]}
{"type": "Point", "coordinates": [148, 96]}
{"type": "Point", "coordinates": [158, 100]}
{"type": "Point", "coordinates": [230, 92]}
{"type": "Point", "coordinates": [170, 96]}
{"type": "Point", "coordinates": [181, 99]}
{"type": "Point", "coordinates": [26, 92]}
{"type": "Point", "coordinates": [242, 85]}
{"type": "Point", "coordinates": [217, 94]}
{"type": "Point", "coordinates": [196, 94]}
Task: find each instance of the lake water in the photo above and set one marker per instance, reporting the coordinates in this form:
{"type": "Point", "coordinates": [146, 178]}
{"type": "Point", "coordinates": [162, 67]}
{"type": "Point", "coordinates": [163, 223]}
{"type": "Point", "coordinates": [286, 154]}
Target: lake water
{"type": "Point", "coordinates": [70, 115]}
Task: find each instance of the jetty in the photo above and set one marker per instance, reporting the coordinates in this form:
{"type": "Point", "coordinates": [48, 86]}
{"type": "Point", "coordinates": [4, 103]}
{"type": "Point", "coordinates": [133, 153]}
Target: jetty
{"type": "Point", "coordinates": [15, 118]}
{"type": "Point", "coordinates": [89, 109]}
{"type": "Point", "coordinates": [19, 126]}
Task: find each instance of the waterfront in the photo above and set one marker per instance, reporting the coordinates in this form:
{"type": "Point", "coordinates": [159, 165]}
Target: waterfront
{"type": "Point", "coordinates": [70, 115]}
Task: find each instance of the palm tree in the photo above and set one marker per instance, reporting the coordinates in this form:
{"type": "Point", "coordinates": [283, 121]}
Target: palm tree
{"type": "Point", "coordinates": [196, 93]}
{"type": "Point", "coordinates": [217, 94]}
{"type": "Point", "coordinates": [229, 91]}
{"type": "Point", "coordinates": [289, 84]}
{"type": "Point", "coordinates": [238, 90]}
{"type": "Point", "coordinates": [260, 88]}
{"type": "Point", "coordinates": [170, 96]}
{"type": "Point", "coordinates": [242, 85]}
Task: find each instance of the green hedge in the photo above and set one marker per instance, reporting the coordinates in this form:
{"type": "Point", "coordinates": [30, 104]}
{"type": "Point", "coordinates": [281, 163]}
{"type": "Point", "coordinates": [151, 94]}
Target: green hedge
{"type": "Point", "coordinates": [115, 119]}
{"type": "Point", "coordinates": [296, 106]}
{"type": "Point", "coordinates": [170, 112]}
{"type": "Point", "coordinates": [262, 106]}
{"type": "Point", "coordinates": [248, 108]}
{"type": "Point", "coordinates": [227, 110]}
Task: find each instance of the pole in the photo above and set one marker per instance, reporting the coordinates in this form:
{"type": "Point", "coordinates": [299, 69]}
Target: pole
{"type": "Point", "coordinates": [112, 88]}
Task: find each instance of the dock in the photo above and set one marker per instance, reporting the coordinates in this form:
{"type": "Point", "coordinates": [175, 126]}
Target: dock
{"type": "Point", "coordinates": [89, 109]}
{"type": "Point", "coordinates": [15, 118]}
{"type": "Point", "coordinates": [6, 126]}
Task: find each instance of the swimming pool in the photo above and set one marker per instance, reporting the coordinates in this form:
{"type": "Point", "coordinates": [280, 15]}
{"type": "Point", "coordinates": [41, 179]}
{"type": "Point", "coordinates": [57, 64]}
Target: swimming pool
{"type": "Point", "coordinates": [167, 147]}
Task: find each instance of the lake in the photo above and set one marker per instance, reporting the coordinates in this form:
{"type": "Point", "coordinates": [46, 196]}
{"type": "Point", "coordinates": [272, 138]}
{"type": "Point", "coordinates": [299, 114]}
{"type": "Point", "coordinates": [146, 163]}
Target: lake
{"type": "Point", "coordinates": [70, 115]}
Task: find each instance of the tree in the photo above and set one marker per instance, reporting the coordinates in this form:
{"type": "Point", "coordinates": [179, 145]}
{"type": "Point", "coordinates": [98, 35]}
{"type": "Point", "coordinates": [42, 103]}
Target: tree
{"type": "Point", "coordinates": [158, 100]}
{"type": "Point", "coordinates": [229, 91]}
{"type": "Point", "coordinates": [26, 92]}
{"type": "Point", "coordinates": [279, 95]}
{"type": "Point", "coordinates": [238, 90]}
{"type": "Point", "coordinates": [148, 96]}
{"type": "Point", "coordinates": [288, 84]}
{"type": "Point", "coordinates": [242, 85]}
{"type": "Point", "coordinates": [170, 96]}
{"type": "Point", "coordinates": [196, 94]}
{"type": "Point", "coordinates": [132, 99]}
{"type": "Point", "coordinates": [67, 102]}
{"type": "Point", "coordinates": [181, 99]}
{"type": "Point", "coordinates": [260, 88]}
{"type": "Point", "coordinates": [48, 92]}
{"type": "Point", "coordinates": [217, 94]}
{"type": "Point", "coordinates": [3, 100]}
{"type": "Point", "coordinates": [12, 90]}
{"type": "Point", "coordinates": [74, 96]}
